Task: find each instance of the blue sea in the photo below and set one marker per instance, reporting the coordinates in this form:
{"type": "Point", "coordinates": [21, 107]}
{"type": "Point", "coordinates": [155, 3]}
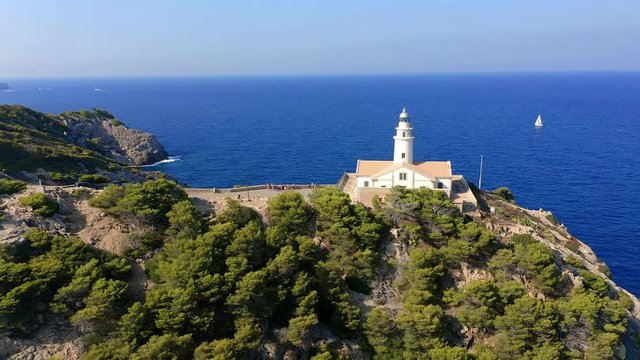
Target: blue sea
{"type": "Point", "coordinates": [583, 165]}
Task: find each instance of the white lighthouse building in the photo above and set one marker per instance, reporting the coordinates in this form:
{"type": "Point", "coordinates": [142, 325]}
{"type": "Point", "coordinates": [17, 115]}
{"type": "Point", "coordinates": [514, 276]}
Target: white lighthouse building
{"type": "Point", "coordinates": [403, 147]}
{"type": "Point", "coordinates": [375, 177]}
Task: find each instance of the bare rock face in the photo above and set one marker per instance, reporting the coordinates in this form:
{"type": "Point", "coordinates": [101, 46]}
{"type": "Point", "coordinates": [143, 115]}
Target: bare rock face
{"type": "Point", "coordinates": [142, 148]}
{"type": "Point", "coordinates": [100, 131]}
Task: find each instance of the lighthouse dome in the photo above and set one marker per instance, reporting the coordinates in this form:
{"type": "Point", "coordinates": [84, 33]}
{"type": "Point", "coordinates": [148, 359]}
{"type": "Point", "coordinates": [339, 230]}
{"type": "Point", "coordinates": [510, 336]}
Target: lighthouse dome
{"type": "Point", "coordinates": [404, 115]}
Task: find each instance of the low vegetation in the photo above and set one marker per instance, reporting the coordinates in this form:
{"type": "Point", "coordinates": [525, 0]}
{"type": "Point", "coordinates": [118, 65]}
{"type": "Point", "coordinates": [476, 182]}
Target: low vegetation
{"type": "Point", "coordinates": [8, 187]}
{"type": "Point", "coordinates": [48, 277]}
{"type": "Point", "coordinates": [30, 140]}
{"type": "Point", "coordinates": [145, 205]}
{"type": "Point", "coordinates": [295, 278]}
{"type": "Point", "coordinates": [62, 178]}
{"type": "Point", "coordinates": [40, 204]}
{"type": "Point", "coordinates": [94, 179]}
{"type": "Point", "coordinates": [505, 194]}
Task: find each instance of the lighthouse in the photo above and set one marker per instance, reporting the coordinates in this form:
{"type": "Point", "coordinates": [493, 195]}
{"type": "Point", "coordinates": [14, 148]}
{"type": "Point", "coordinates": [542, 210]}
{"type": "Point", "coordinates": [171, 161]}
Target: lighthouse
{"type": "Point", "coordinates": [403, 140]}
{"type": "Point", "coordinates": [403, 170]}
{"type": "Point", "coordinates": [375, 178]}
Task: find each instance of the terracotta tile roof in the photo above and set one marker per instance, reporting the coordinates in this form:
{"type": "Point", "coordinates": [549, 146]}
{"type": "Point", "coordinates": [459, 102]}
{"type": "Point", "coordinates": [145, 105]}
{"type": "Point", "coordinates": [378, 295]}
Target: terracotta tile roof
{"type": "Point", "coordinates": [370, 167]}
{"type": "Point", "coordinates": [439, 169]}
{"type": "Point", "coordinates": [430, 169]}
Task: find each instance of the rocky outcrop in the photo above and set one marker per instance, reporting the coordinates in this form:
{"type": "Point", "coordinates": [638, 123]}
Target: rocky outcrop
{"type": "Point", "coordinates": [4, 86]}
{"type": "Point", "coordinates": [77, 142]}
{"type": "Point", "coordinates": [100, 131]}
{"type": "Point", "coordinates": [506, 218]}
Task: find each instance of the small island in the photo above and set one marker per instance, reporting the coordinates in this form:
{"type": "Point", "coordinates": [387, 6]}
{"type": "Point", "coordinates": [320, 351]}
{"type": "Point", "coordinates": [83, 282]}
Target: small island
{"type": "Point", "coordinates": [4, 86]}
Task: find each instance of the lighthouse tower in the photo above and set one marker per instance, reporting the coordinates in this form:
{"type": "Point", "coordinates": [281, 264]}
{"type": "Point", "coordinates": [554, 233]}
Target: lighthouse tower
{"type": "Point", "coordinates": [403, 147]}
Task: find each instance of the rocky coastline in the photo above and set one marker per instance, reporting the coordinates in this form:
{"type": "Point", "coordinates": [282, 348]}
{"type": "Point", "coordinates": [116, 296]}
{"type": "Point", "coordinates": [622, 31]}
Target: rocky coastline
{"type": "Point", "coordinates": [556, 253]}
{"type": "Point", "coordinates": [36, 145]}
{"type": "Point", "coordinates": [100, 129]}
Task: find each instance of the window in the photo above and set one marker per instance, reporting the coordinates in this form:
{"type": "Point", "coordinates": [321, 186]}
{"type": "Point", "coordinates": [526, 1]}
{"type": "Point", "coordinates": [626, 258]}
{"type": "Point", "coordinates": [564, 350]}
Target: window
{"type": "Point", "coordinates": [404, 134]}
{"type": "Point", "coordinates": [366, 184]}
{"type": "Point", "coordinates": [403, 176]}
{"type": "Point", "coordinates": [440, 185]}
{"type": "Point", "coordinates": [383, 186]}
{"type": "Point", "coordinates": [403, 155]}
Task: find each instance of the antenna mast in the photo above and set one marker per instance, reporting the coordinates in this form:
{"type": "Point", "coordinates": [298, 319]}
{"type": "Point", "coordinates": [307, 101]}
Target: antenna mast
{"type": "Point", "coordinates": [480, 180]}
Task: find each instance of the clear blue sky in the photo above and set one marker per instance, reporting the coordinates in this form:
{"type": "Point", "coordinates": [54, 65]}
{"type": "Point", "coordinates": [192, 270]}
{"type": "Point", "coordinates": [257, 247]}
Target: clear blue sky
{"type": "Point", "coordinates": [145, 37]}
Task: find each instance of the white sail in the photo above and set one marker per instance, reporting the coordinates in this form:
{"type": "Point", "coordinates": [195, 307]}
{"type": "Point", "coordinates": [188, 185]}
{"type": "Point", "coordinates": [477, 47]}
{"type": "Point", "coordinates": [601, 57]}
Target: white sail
{"type": "Point", "coordinates": [539, 121]}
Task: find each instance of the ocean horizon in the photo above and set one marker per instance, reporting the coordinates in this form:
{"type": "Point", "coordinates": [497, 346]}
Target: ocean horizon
{"type": "Point", "coordinates": [225, 130]}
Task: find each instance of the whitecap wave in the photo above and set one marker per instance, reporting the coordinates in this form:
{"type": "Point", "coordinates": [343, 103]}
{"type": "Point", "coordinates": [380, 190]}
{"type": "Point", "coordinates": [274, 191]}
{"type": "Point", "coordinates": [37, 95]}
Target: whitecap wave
{"type": "Point", "coordinates": [170, 159]}
{"type": "Point", "coordinates": [98, 90]}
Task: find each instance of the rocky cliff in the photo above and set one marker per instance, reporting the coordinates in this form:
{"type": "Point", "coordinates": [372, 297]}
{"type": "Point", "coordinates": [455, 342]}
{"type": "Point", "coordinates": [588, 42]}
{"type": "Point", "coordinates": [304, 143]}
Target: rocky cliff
{"type": "Point", "coordinates": [100, 130]}
{"type": "Point", "coordinates": [82, 141]}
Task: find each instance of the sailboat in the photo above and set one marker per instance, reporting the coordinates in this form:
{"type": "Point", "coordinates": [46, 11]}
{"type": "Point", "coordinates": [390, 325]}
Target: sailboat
{"type": "Point", "coordinates": [539, 121]}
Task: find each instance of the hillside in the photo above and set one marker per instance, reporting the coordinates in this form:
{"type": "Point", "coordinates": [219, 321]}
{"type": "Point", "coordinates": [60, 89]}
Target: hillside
{"type": "Point", "coordinates": [82, 142]}
{"type": "Point", "coordinates": [138, 271]}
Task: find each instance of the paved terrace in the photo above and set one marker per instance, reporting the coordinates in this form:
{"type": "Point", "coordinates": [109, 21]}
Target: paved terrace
{"type": "Point", "coordinates": [256, 196]}
{"type": "Point", "coordinates": [251, 192]}
{"type": "Point", "coordinates": [252, 196]}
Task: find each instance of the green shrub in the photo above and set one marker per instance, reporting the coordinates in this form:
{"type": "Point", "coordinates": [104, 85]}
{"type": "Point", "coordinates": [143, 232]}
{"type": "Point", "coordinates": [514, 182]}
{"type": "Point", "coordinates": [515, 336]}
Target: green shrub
{"type": "Point", "coordinates": [603, 268]}
{"type": "Point", "coordinates": [108, 197]}
{"type": "Point", "coordinates": [450, 353]}
{"type": "Point", "coordinates": [436, 216]}
{"type": "Point", "coordinates": [552, 219]}
{"type": "Point", "coordinates": [142, 244]}
{"type": "Point", "coordinates": [103, 113]}
{"type": "Point", "coordinates": [8, 187]}
{"type": "Point", "coordinates": [146, 203]}
{"type": "Point", "coordinates": [595, 283]}
{"type": "Point", "coordinates": [524, 221]}
{"type": "Point", "coordinates": [549, 235]}
{"type": "Point", "coordinates": [574, 262]}
{"type": "Point", "coordinates": [625, 301]}
{"type": "Point", "coordinates": [94, 143]}
{"type": "Point", "coordinates": [523, 239]}
{"type": "Point", "coordinates": [64, 275]}
{"type": "Point", "coordinates": [602, 318]}
{"type": "Point", "coordinates": [527, 324]}
{"type": "Point", "coordinates": [383, 335]}
{"type": "Point", "coordinates": [61, 177]}
{"type": "Point", "coordinates": [505, 194]}
{"type": "Point", "coordinates": [478, 303]}
{"type": "Point", "coordinates": [40, 204]}
{"type": "Point", "coordinates": [78, 193]}
{"type": "Point", "coordinates": [573, 246]}
{"type": "Point", "coordinates": [291, 212]}
{"type": "Point", "coordinates": [94, 179]}
{"type": "Point", "coordinates": [528, 258]}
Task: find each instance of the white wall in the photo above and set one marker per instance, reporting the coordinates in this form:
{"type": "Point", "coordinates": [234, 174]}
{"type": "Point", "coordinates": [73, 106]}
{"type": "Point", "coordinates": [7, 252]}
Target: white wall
{"type": "Point", "coordinates": [413, 181]}
{"type": "Point", "coordinates": [403, 143]}
{"type": "Point", "coordinates": [446, 183]}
